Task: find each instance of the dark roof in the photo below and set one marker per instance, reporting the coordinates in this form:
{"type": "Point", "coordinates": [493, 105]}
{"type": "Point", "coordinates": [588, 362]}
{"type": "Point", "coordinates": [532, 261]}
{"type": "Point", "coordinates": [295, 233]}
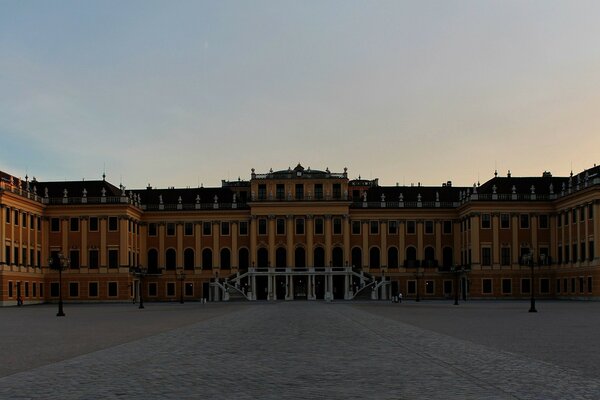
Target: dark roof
{"type": "Point", "coordinates": [188, 196]}
{"type": "Point", "coordinates": [411, 193]}
{"type": "Point", "coordinates": [75, 188]}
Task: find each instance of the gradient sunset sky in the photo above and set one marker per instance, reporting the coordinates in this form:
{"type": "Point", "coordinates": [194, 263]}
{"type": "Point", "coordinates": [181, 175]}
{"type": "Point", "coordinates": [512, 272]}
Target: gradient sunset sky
{"type": "Point", "coordinates": [177, 93]}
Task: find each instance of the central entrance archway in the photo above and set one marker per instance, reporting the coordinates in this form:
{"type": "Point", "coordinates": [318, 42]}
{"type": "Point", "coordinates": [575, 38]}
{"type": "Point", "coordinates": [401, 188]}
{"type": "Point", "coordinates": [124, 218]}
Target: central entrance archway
{"type": "Point", "coordinates": [300, 287]}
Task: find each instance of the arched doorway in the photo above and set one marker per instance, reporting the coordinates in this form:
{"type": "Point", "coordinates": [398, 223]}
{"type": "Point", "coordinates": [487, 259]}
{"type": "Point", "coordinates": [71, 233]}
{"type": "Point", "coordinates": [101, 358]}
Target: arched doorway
{"type": "Point", "coordinates": [411, 257]}
{"type": "Point", "coordinates": [429, 256]}
{"type": "Point", "coordinates": [188, 259]}
{"type": "Point", "coordinates": [262, 258]}
{"type": "Point", "coordinates": [225, 259]}
{"type": "Point", "coordinates": [447, 256]}
{"type": "Point", "coordinates": [171, 259]}
{"type": "Point", "coordinates": [244, 259]}
{"type": "Point", "coordinates": [374, 258]}
{"type": "Point", "coordinates": [153, 260]}
{"type": "Point", "coordinates": [393, 257]}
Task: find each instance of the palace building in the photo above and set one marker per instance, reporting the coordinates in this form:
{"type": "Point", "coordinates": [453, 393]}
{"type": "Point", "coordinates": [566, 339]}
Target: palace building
{"type": "Point", "coordinates": [300, 234]}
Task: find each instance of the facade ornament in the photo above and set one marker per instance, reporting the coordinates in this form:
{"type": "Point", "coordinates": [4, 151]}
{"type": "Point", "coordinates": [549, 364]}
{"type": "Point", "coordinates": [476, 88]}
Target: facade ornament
{"type": "Point", "coordinates": [46, 192]}
{"type": "Point", "coordinates": [514, 189]}
{"type": "Point", "coordinates": [437, 196]}
{"type": "Point", "coordinates": [564, 186]}
{"type": "Point", "coordinates": [419, 197]}
{"type": "Point", "coordinates": [234, 197]}
{"type": "Point", "coordinates": [494, 188]}
{"type": "Point", "coordinates": [551, 188]}
{"type": "Point", "coordinates": [84, 193]}
{"type": "Point", "coordinates": [197, 199]}
{"type": "Point", "coordinates": [532, 189]}
{"type": "Point", "coordinates": [160, 199]}
{"type": "Point", "coordinates": [401, 197]}
{"type": "Point", "coordinates": [179, 200]}
{"type": "Point", "coordinates": [253, 194]}
{"type": "Point", "coordinates": [65, 192]}
{"type": "Point", "coordinates": [216, 198]}
{"type": "Point", "coordinates": [474, 189]}
{"type": "Point", "coordinates": [365, 197]}
{"type": "Point", "coordinates": [103, 192]}
{"type": "Point", "coordinates": [382, 197]}
{"type": "Point", "coordinates": [34, 189]}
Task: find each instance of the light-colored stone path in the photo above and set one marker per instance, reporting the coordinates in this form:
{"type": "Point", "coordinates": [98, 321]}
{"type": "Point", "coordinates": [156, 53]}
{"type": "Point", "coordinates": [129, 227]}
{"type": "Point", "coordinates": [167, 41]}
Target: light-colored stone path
{"type": "Point", "coordinates": [298, 351]}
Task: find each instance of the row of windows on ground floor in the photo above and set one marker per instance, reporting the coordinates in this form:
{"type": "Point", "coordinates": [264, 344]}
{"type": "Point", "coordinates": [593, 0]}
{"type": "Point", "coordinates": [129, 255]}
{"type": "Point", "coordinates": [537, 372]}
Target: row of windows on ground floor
{"type": "Point", "coordinates": [564, 286]}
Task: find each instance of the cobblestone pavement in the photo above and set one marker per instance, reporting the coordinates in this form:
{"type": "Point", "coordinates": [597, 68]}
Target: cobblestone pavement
{"type": "Point", "coordinates": [299, 350]}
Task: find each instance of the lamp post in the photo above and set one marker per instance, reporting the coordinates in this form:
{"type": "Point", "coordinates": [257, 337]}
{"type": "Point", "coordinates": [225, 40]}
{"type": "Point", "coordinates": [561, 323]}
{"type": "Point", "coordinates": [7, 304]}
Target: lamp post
{"type": "Point", "coordinates": [140, 272]}
{"type": "Point", "coordinates": [530, 260]}
{"type": "Point", "coordinates": [181, 277]}
{"type": "Point", "coordinates": [60, 263]}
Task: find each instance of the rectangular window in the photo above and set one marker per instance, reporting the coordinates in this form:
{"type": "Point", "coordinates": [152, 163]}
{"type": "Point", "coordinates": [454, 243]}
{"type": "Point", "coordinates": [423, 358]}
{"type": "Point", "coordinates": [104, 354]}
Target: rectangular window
{"type": "Point", "coordinates": [582, 213]}
{"type": "Point", "coordinates": [54, 225]}
{"type": "Point", "coordinates": [374, 228]}
{"type": "Point", "coordinates": [447, 227]}
{"type": "Point", "coordinates": [411, 227]}
{"type": "Point", "coordinates": [8, 215]}
{"type": "Point", "coordinates": [206, 228]}
{"type": "Point", "coordinates": [262, 191]}
{"type": "Point", "coordinates": [299, 191]}
{"type": "Point", "coordinates": [10, 289]}
{"type": "Point", "coordinates": [262, 226]}
{"type": "Point", "coordinates": [93, 227]}
{"type": "Point", "coordinates": [74, 224]}
{"type": "Point", "coordinates": [337, 191]}
{"type": "Point", "coordinates": [392, 227]}
{"type": "Point", "coordinates": [525, 286]}
{"type": "Point", "coordinates": [429, 287]}
{"type": "Point", "coordinates": [504, 221]}
{"type": "Point", "coordinates": [93, 258]}
{"type": "Point", "coordinates": [74, 257]}
{"type": "Point", "coordinates": [505, 256]}
{"type": "Point", "coordinates": [543, 221]}
{"type": "Point", "coordinates": [113, 258]}
{"type": "Point", "coordinates": [486, 286]}
{"type": "Point", "coordinates": [170, 229]}
{"type": "Point", "coordinates": [113, 289]}
{"type": "Point", "coordinates": [299, 226]}
{"type": "Point", "coordinates": [544, 254]}
{"type": "Point", "coordinates": [24, 220]}
{"type": "Point", "coordinates": [567, 254]}
{"type": "Point", "coordinates": [93, 289]}
{"type": "Point", "coordinates": [356, 227]}
{"type": "Point", "coordinates": [590, 211]}
{"type": "Point", "coordinates": [152, 229]}
{"type": "Point", "coordinates": [566, 218]}
{"type": "Point", "coordinates": [280, 191]}
{"type": "Point", "coordinates": [243, 228]}
{"type": "Point", "coordinates": [16, 218]}
{"type": "Point", "coordinates": [54, 289]}
{"type": "Point", "coordinates": [16, 253]}
{"type": "Point", "coordinates": [486, 221]}
{"type": "Point", "coordinates": [574, 255]}
{"type": "Point", "coordinates": [591, 250]}
{"type": "Point", "coordinates": [188, 229]}
{"type": "Point", "coordinates": [524, 218]}
{"type": "Point", "coordinates": [337, 226]}
{"type": "Point", "coordinates": [486, 256]}
{"type": "Point", "coordinates": [113, 224]}
{"type": "Point", "coordinates": [34, 289]}
{"type": "Point", "coordinates": [582, 246]}
{"type": "Point", "coordinates": [506, 285]}
{"type": "Point", "coordinates": [544, 286]}
{"type": "Point", "coordinates": [447, 287]}
{"type": "Point", "coordinates": [224, 228]}
{"type": "Point", "coordinates": [152, 289]}
{"type": "Point", "coordinates": [411, 287]}
{"type": "Point", "coordinates": [319, 227]}
{"type": "Point", "coordinates": [32, 220]}
{"type": "Point", "coordinates": [189, 289]}
{"type": "Point", "coordinates": [429, 227]}
{"type": "Point", "coordinates": [559, 220]}
{"type": "Point", "coordinates": [319, 191]}
{"type": "Point", "coordinates": [280, 226]}
{"type": "Point", "coordinates": [574, 219]}
{"type": "Point", "coordinates": [170, 289]}
{"type": "Point", "coordinates": [73, 289]}
{"type": "Point", "coordinates": [26, 289]}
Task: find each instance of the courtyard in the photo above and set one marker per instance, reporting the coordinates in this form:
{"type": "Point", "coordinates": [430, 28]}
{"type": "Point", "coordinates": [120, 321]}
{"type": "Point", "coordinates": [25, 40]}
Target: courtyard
{"type": "Point", "coordinates": [338, 350]}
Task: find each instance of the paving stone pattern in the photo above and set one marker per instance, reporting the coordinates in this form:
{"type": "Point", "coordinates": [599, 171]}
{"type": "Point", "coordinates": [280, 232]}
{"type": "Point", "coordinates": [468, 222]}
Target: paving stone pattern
{"type": "Point", "coordinates": [300, 350]}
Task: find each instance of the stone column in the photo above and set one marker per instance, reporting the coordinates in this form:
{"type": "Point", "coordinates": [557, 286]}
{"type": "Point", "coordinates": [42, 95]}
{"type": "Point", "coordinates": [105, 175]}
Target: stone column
{"type": "Point", "coordinates": [289, 235]}
{"type": "Point", "coordinates": [475, 247]}
{"type": "Point", "coordinates": [515, 238]}
{"type": "Point", "coordinates": [271, 238]}
{"type": "Point", "coordinates": [270, 292]}
{"type": "Point", "coordinates": [123, 241]}
{"type": "Point", "coordinates": [570, 227]}
{"type": "Point", "coordinates": [457, 239]}
{"type": "Point", "coordinates": [23, 260]}
{"type": "Point", "coordinates": [179, 238]}
{"type": "Point", "coordinates": [578, 227]}
{"type": "Point", "coordinates": [235, 262]}
{"type": "Point", "coordinates": [438, 241]}
{"type": "Point", "coordinates": [401, 242]}
{"type": "Point", "coordinates": [596, 230]}
{"type": "Point", "coordinates": [216, 231]}
{"type": "Point", "coordinates": [28, 252]}
{"type": "Point", "coordinates": [197, 244]}
{"type": "Point", "coordinates": [420, 248]}
{"type": "Point", "coordinates": [553, 238]}
{"type": "Point", "coordinates": [64, 231]}
{"type": "Point", "coordinates": [495, 240]}
{"type": "Point", "coordinates": [45, 242]}
{"type": "Point", "coordinates": [346, 232]}
{"type": "Point", "coordinates": [253, 243]}
{"type": "Point", "coordinates": [365, 242]}
{"type": "Point", "coordinates": [310, 229]}
{"type": "Point", "coordinates": [36, 243]}
{"type": "Point", "coordinates": [143, 260]}
{"type": "Point", "coordinates": [534, 240]}
{"type": "Point", "coordinates": [291, 297]}
{"type": "Point", "coordinates": [383, 227]}
{"type": "Point", "coordinates": [161, 245]}
{"type": "Point", "coordinates": [2, 233]}
{"type": "Point", "coordinates": [347, 295]}
{"type": "Point", "coordinates": [328, 237]}
{"type": "Point", "coordinates": [562, 237]}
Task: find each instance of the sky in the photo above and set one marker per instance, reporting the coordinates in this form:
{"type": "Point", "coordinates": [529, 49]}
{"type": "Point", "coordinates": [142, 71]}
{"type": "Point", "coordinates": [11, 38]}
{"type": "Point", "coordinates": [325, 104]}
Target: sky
{"type": "Point", "coordinates": [182, 93]}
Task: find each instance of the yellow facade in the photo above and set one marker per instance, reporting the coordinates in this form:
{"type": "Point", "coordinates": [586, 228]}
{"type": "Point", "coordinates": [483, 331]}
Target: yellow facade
{"type": "Point", "coordinates": [301, 234]}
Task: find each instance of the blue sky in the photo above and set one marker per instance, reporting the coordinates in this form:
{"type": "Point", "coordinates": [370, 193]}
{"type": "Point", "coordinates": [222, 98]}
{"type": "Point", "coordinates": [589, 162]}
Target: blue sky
{"type": "Point", "coordinates": [187, 92]}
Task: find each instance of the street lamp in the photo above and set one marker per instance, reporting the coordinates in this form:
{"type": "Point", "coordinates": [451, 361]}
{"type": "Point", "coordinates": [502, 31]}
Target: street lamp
{"type": "Point", "coordinates": [530, 260]}
{"type": "Point", "coordinates": [60, 263]}
{"type": "Point", "coordinates": [181, 277]}
{"type": "Point", "coordinates": [140, 272]}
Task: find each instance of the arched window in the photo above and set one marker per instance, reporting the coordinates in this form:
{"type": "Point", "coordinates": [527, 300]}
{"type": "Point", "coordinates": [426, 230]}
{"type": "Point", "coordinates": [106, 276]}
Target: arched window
{"type": "Point", "coordinates": [357, 257]}
{"type": "Point", "coordinates": [337, 257]}
{"type": "Point", "coordinates": [225, 258]}
{"type": "Point", "coordinates": [374, 261]}
{"type": "Point", "coordinates": [171, 259]}
{"type": "Point", "coordinates": [411, 257]}
{"type": "Point", "coordinates": [448, 256]}
{"type": "Point", "coordinates": [300, 258]}
{"type": "Point", "coordinates": [319, 257]}
{"type": "Point", "coordinates": [393, 257]}
{"type": "Point", "coordinates": [262, 258]}
{"type": "Point", "coordinates": [280, 258]}
{"type": "Point", "coordinates": [188, 259]}
{"type": "Point", "coordinates": [244, 258]}
{"type": "Point", "coordinates": [207, 259]}
{"type": "Point", "coordinates": [152, 260]}
{"type": "Point", "coordinates": [429, 257]}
